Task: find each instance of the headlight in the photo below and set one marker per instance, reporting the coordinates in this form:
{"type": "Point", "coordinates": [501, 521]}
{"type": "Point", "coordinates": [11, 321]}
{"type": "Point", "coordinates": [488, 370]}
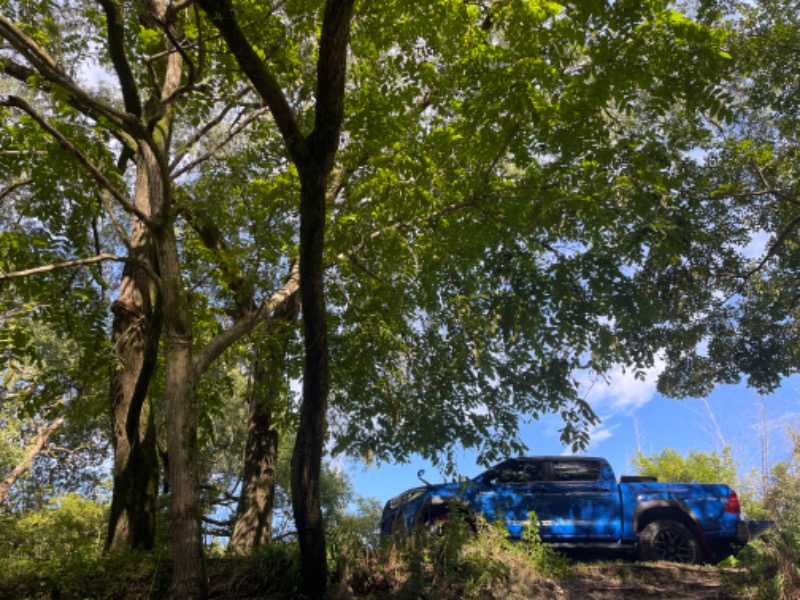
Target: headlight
{"type": "Point", "coordinates": [406, 497]}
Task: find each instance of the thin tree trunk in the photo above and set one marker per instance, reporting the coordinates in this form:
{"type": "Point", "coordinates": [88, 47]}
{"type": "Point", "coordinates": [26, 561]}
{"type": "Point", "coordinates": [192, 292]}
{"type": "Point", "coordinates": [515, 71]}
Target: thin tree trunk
{"type": "Point", "coordinates": [35, 448]}
{"type": "Point", "coordinates": [253, 526]}
{"type": "Point", "coordinates": [135, 335]}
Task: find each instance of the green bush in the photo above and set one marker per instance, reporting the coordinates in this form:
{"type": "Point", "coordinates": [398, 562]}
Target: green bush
{"type": "Point", "coordinates": [67, 526]}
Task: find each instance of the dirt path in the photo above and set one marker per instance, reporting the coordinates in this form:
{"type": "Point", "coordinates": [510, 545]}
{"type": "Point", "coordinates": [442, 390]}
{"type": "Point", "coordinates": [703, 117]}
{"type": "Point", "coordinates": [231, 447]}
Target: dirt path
{"type": "Point", "coordinates": [628, 581]}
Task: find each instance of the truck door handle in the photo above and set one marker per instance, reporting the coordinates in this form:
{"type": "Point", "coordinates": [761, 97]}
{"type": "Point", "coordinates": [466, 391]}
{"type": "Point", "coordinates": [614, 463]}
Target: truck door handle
{"type": "Point", "coordinates": [601, 489]}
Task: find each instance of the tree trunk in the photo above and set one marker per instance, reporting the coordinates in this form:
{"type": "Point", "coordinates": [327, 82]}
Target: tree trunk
{"type": "Point", "coordinates": [314, 158]}
{"type": "Point", "coordinates": [188, 580]}
{"type": "Point", "coordinates": [135, 335]}
{"type": "Point", "coordinates": [253, 526]}
{"type": "Point", "coordinates": [38, 444]}
{"type": "Point", "coordinates": [308, 448]}
{"type": "Point", "coordinates": [314, 171]}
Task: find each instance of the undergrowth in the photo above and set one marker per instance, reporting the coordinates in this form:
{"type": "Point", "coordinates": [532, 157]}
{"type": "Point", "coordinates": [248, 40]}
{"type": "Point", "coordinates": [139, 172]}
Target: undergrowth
{"type": "Point", "coordinates": [479, 563]}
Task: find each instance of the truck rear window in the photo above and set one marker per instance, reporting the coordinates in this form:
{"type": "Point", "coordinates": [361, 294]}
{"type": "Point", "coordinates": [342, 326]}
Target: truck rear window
{"type": "Point", "coordinates": [583, 470]}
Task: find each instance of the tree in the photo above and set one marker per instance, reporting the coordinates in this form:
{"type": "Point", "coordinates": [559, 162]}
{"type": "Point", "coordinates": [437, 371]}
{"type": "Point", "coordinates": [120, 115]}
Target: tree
{"type": "Point", "coordinates": [143, 130]}
{"type": "Point", "coordinates": [253, 524]}
{"type": "Point", "coordinates": [565, 104]}
{"type": "Point", "coordinates": [694, 467]}
{"type": "Point", "coordinates": [468, 208]}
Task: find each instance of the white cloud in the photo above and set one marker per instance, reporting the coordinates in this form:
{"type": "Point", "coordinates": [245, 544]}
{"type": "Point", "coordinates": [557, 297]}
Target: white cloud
{"type": "Point", "coordinates": [623, 392]}
{"type": "Point", "coordinates": [600, 434]}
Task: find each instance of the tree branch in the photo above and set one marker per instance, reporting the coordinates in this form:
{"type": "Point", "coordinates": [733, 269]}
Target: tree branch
{"type": "Point", "coordinates": [208, 126]}
{"type": "Point", "coordinates": [115, 26]}
{"type": "Point", "coordinates": [221, 143]}
{"type": "Point", "coordinates": [49, 70]}
{"type": "Point", "coordinates": [80, 262]}
{"type": "Point", "coordinates": [214, 348]}
{"type": "Point", "coordinates": [72, 149]}
{"type": "Point", "coordinates": [117, 225]}
{"type": "Point", "coordinates": [14, 187]}
{"type": "Point", "coordinates": [222, 15]}
{"type": "Point", "coordinates": [331, 72]}
{"type": "Point", "coordinates": [31, 452]}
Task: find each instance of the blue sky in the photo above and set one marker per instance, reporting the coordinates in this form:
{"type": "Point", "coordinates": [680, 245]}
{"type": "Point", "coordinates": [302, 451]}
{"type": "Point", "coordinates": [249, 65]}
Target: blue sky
{"type": "Point", "coordinates": [635, 417]}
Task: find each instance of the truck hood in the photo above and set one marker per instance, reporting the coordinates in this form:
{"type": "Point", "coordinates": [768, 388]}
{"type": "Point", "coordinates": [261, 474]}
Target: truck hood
{"type": "Point", "coordinates": [447, 489]}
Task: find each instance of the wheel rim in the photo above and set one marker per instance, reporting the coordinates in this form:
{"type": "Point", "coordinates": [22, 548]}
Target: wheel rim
{"type": "Point", "coordinates": [672, 546]}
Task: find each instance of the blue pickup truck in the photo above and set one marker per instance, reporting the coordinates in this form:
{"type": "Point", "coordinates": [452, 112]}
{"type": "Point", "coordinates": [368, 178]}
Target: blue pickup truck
{"type": "Point", "coordinates": [579, 504]}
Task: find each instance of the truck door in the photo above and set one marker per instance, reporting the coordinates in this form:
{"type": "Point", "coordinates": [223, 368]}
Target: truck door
{"type": "Point", "coordinates": [579, 502]}
{"type": "Point", "coordinates": [509, 491]}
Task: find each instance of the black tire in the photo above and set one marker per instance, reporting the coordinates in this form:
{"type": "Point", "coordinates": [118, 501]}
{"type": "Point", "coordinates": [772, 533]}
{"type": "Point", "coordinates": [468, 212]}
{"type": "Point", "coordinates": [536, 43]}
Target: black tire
{"type": "Point", "coordinates": [668, 540]}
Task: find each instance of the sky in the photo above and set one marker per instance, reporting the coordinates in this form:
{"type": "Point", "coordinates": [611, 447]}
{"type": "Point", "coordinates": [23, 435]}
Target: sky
{"type": "Point", "coordinates": [635, 417]}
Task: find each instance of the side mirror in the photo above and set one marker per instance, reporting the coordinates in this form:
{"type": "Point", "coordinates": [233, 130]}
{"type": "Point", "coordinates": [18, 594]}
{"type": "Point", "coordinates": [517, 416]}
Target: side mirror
{"type": "Point", "coordinates": [420, 476]}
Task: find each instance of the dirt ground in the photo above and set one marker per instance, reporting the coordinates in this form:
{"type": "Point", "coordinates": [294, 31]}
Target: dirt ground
{"type": "Point", "coordinates": [634, 580]}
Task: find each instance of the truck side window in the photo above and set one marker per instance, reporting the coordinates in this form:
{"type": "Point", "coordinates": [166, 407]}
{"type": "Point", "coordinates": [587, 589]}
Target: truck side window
{"type": "Point", "coordinates": [519, 472]}
{"type": "Point", "coordinates": [579, 470]}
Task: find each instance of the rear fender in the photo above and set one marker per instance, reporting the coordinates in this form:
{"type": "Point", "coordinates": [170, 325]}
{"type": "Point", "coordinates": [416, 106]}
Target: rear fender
{"type": "Point", "coordinates": [675, 510]}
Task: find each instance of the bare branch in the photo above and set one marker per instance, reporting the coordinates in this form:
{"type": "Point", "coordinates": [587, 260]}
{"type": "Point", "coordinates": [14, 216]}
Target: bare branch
{"type": "Point", "coordinates": [80, 262]}
{"type": "Point", "coordinates": [221, 143]}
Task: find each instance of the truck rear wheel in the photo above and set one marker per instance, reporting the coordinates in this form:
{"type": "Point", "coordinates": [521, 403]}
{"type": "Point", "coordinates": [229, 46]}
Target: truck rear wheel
{"type": "Point", "coordinates": [668, 540]}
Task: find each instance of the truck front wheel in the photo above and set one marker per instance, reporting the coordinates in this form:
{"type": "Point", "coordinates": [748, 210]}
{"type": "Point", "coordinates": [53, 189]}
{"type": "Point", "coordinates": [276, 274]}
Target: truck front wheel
{"type": "Point", "coordinates": [668, 540]}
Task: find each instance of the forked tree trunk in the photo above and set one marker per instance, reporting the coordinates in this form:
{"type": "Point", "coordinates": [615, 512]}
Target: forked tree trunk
{"type": "Point", "coordinates": [253, 526]}
{"type": "Point", "coordinates": [313, 156]}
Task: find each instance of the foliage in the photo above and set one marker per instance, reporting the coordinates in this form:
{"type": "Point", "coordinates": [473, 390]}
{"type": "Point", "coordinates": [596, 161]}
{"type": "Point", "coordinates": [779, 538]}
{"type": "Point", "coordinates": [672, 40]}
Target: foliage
{"type": "Point", "coordinates": [501, 176]}
{"type": "Point", "coordinates": [55, 549]}
{"type": "Point", "coordinates": [485, 564]}
{"type": "Point", "coordinates": [721, 260]}
{"type": "Point", "coordinates": [693, 467]}
{"type": "Point", "coordinates": [67, 526]}
{"type": "Point", "coordinates": [774, 560]}
{"type": "Point", "coordinates": [56, 379]}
